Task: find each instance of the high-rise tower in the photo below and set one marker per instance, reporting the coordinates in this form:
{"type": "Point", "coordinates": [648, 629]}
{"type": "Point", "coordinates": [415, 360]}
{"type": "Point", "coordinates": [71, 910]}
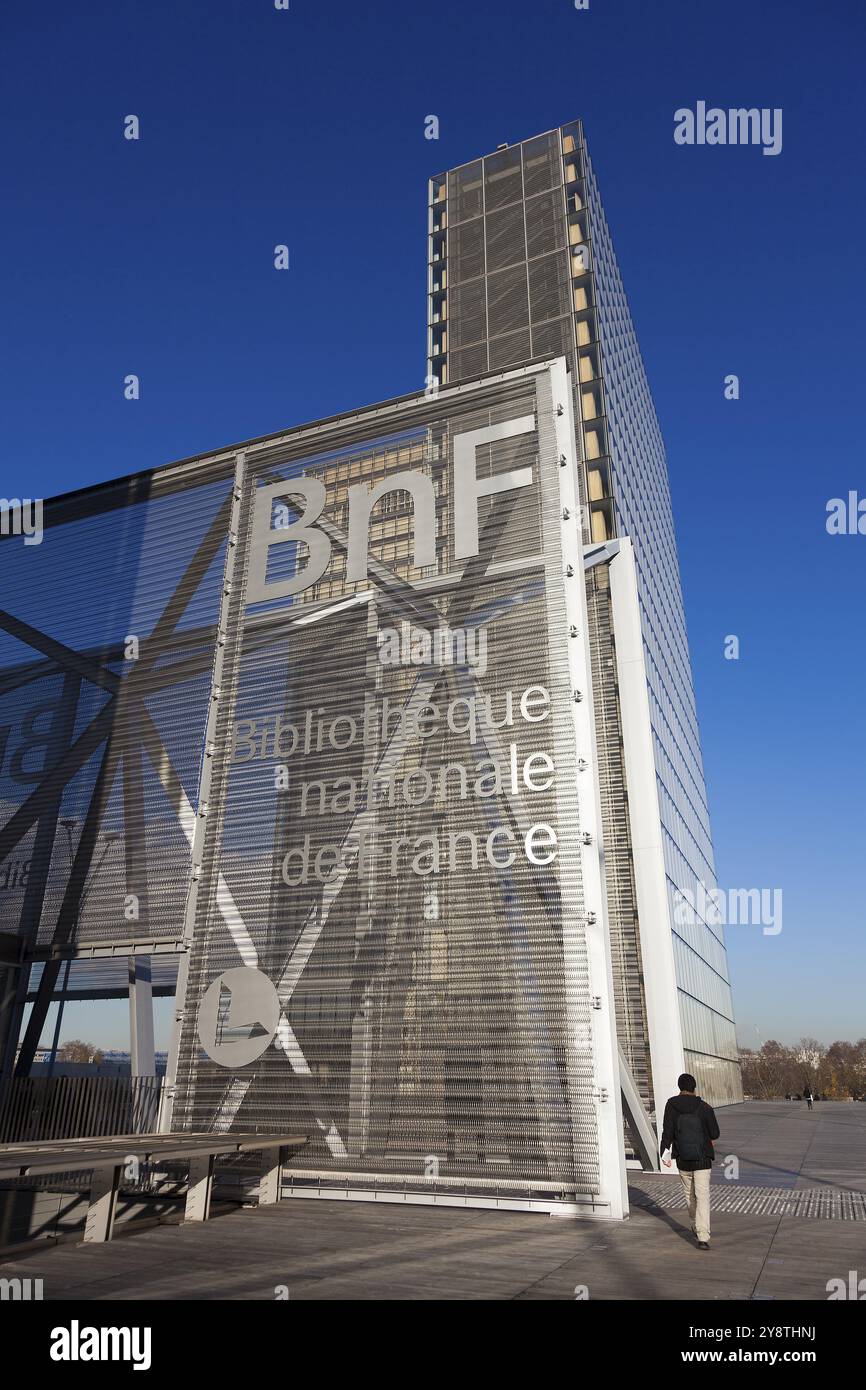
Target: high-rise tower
{"type": "Point", "coordinates": [521, 266]}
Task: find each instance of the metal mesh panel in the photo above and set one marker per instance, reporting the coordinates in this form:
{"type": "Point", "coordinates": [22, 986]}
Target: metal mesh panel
{"type": "Point", "coordinates": [470, 314]}
{"type": "Point", "coordinates": [503, 182]}
{"type": "Point", "coordinates": [554, 338]}
{"type": "Point", "coordinates": [466, 251]}
{"type": "Point", "coordinates": [468, 362]}
{"type": "Point", "coordinates": [465, 193]}
{"type": "Point", "coordinates": [507, 301]}
{"type": "Point", "coordinates": [545, 224]}
{"type": "Point", "coordinates": [106, 648]}
{"type": "Point", "coordinates": [108, 977]}
{"type": "Point", "coordinates": [429, 1011]}
{"type": "Point", "coordinates": [506, 242]}
{"type": "Point", "coordinates": [508, 351]}
{"type": "Point", "coordinates": [549, 288]}
{"type": "Point", "coordinates": [541, 164]}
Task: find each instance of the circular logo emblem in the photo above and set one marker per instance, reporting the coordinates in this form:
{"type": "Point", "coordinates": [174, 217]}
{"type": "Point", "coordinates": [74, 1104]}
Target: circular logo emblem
{"type": "Point", "coordinates": [238, 1016]}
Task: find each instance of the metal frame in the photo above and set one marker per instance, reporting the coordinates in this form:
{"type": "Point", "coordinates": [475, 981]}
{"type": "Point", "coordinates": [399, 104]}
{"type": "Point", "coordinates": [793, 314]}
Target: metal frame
{"type": "Point", "coordinates": [656, 940]}
{"type": "Point", "coordinates": [196, 833]}
{"type": "Point", "coordinates": [605, 1049]}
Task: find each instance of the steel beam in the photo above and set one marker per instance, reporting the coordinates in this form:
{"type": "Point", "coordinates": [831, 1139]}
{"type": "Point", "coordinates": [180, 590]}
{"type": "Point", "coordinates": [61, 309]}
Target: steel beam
{"type": "Point", "coordinates": [71, 905]}
{"type": "Point", "coordinates": [650, 878]}
{"type": "Point", "coordinates": [229, 516]}
{"type": "Point", "coordinates": [641, 1125]}
{"type": "Point", "coordinates": [46, 804]}
{"type": "Point", "coordinates": [142, 1056]}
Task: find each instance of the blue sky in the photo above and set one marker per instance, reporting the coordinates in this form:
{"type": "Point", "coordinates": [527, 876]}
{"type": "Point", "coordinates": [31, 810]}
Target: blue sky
{"type": "Point", "coordinates": [306, 127]}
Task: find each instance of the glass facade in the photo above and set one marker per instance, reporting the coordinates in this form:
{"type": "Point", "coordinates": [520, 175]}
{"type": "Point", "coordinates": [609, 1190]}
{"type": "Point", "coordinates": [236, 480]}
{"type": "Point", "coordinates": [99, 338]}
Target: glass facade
{"type": "Point", "coordinates": [521, 259]}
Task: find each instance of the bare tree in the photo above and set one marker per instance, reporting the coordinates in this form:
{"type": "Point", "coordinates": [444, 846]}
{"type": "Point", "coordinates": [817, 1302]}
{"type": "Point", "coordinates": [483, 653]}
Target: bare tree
{"type": "Point", "coordinates": [77, 1051]}
{"type": "Point", "coordinates": [837, 1071]}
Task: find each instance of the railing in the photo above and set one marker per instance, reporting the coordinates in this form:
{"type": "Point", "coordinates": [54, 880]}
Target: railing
{"type": "Point", "coordinates": [35, 1109]}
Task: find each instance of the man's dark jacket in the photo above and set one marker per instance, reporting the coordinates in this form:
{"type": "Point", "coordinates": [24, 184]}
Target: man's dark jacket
{"type": "Point", "coordinates": [689, 1105]}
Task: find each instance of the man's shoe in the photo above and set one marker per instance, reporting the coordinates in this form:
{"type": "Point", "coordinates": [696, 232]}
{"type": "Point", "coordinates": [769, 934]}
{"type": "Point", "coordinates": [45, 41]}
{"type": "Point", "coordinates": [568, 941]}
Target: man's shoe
{"type": "Point", "coordinates": [703, 1245]}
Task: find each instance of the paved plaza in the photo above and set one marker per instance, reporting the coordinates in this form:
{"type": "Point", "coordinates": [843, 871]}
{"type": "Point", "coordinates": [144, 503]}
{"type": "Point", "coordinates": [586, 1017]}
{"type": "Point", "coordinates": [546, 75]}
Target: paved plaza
{"type": "Point", "coordinates": [794, 1219]}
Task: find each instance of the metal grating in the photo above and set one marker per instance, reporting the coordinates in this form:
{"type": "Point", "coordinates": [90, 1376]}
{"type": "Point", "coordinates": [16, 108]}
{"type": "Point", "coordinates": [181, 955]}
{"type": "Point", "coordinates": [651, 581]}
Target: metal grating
{"type": "Point", "coordinates": [465, 193]}
{"type": "Point", "coordinates": [550, 288]}
{"type": "Point", "coordinates": [466, 251]}
{"type": "Point", "coordinates": [553, 339]}
{"type": "Point", "coordinates": [469, 307]}
{"type": "Point", "coordinates": [505, 237]}
{"type": "Point", "coordinates": [430, 1012]}
{"type": "Point", "coordinates": [816, 1203]}
{"type": "Point", "coordinates": [545, 224]}
{"type": "Point", "coordinates": [468, 362]}
{"type": "Point", "coordinates": [107, 977]}
{"type": "Point", "coordinates": [508, 350]}
{"type": "Point", "coordinates": [104, 684]}
{"type": "Point", "coordinates": [503, 179]}
{"type": "Point", "coordinates": [541, 163]}
{"type": "Point", "coordinates": [37, 1109]}
{"type": "Point", "coordinates": [507, 301]}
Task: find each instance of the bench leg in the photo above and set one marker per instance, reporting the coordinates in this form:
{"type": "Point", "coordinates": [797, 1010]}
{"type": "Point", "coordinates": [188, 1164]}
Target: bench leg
{"type": "Point", "coordinates": [200, 1186]}
{"type": "Point", "coordinates": [272, 1171]}
{"type": "Point", "coordinates": [104, 1187]}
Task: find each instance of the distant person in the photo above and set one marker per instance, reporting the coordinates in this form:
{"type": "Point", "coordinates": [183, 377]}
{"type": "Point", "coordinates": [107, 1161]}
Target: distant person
{"type": "Point", "coordinates": [689, 1128]}
{"type": "Point", "coordinates": [807, 1096]}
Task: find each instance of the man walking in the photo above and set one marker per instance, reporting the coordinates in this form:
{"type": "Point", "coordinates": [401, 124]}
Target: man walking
{"type": "Point", "coordinates": [807, 1096]}
{"type": "Point", "coordinates": [689, 1128]}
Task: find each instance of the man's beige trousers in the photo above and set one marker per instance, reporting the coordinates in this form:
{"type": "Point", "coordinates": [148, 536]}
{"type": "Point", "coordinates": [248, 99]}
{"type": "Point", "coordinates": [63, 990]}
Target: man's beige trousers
{"type": "Point", "coordinates": [696, 1186]}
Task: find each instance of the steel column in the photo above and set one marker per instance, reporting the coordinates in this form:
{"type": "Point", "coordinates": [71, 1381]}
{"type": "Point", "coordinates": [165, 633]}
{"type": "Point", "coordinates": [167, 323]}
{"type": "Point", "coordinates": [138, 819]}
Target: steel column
{"type": "Point", "coordinates": [142, 1057]}
{"type": "Point", "coordinates": [206, 771]}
